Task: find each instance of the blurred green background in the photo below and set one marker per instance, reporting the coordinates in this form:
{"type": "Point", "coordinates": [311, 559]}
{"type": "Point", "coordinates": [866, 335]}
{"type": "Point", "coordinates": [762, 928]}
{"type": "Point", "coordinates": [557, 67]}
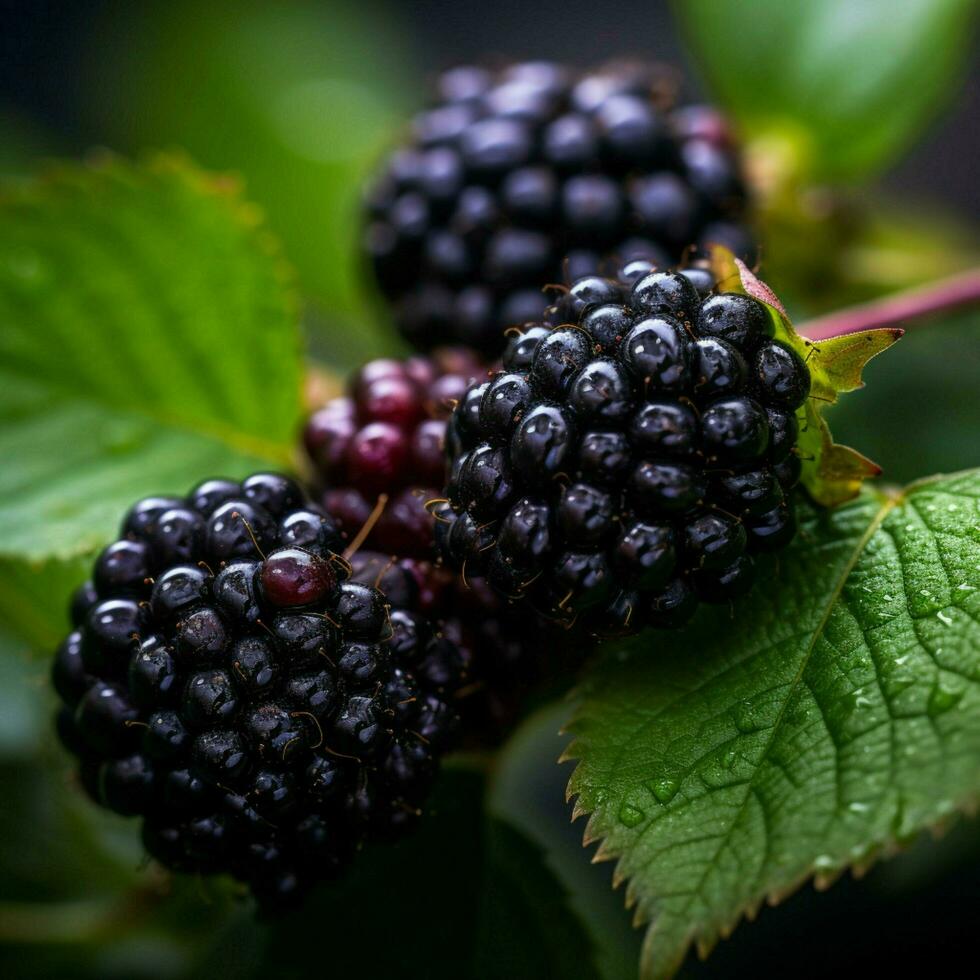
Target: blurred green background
{"type": "Point", "coordinates": [862, 122]}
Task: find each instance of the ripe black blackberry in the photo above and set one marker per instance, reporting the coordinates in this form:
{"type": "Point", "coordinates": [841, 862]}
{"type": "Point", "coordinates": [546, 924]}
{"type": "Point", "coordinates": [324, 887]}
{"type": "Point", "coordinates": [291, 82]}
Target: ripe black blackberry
{"type": "Point", "coordinates": [631, 455]}
{"type": "Point", "coordinates": [387, 435]}
{"type": "Point", "coordinates": [227, 681]}
{"type": "Point", "coordinates": [507, 655]}
{"type": "Point", "coordinates": [520, 177]}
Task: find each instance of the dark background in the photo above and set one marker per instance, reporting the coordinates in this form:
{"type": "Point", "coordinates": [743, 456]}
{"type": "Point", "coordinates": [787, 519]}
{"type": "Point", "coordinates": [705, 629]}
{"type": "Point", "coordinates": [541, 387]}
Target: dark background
{"type": "Point", "coordinates": [44, 44]}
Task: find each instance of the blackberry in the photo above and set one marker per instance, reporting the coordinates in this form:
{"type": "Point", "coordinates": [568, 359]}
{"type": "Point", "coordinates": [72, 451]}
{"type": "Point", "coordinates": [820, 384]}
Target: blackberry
{"type": "Point", "coordinates": [536, 172]}
{"type": "Point", "coordinates": [504, 653]}
{"type": "Point", "coordinates": [386, 436]}
{"type": "Point", "coordinates": [631, 455]}
{"type": "Point", "coordinates": [262, 711]}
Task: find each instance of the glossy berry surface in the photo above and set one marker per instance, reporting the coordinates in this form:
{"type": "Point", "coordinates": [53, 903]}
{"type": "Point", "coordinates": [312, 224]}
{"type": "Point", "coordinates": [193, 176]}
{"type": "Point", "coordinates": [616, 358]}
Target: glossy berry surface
{"type": "Point", "coordinates": [631, 455]}
{"type": "Point", "coordinates": [503, 650]}
{"type": "Point", "coordinates": [234, 687]}
{"type": "Point", "coordinates": [506, 654]}
{"type": "Point", "coordinates": [387, 436]}
{"type": "Point", "coordinates": [293, 577]}
{"type": "Point", "coordinates": [539, 173]}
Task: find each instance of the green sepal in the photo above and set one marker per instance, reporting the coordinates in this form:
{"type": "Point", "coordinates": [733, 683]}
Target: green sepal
{"type": "Point", "coordinates": [832, 473]}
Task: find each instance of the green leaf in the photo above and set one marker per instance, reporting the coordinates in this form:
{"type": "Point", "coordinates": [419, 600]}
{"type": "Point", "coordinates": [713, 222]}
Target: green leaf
{"type": "Point", "coordinates": [846, 85]}
{"type": "Point", "coordinates": [522, 901]}
{"type": "Point", "coordinates": [34, 599]}
{"type": "Point", "coordinates": [148, 340]}
{"type": "Point", "coordinates": [21, 142]}
{"type": "Point", "coordinates": [32, 621]}
{"type": "Point", "coordinates": [300, 98]}
{"type": "Point", "coordinates": [836, 714]}
{"type": "Point", "coordinates": [466, 897]}
{"type": "Point", "coordinates": [859, 245]}
{"type": "Point", "coordinates": [526, 792]}
{"type": "Point", "coordinates": [832, 473]}
{"type": "Point", "coordinates": [88, 853]}
{"type": "Point", "coordinates": [409, 903]}
{"type": "Point", "coordinates": [91, 907]}
{"type": "Point", "coordinates": [23, 718]}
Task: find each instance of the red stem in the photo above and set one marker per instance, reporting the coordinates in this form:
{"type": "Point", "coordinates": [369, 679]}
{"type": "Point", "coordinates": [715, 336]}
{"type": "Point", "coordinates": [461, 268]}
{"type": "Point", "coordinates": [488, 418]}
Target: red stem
{"type": "Point", "coordinates": [939, 297]}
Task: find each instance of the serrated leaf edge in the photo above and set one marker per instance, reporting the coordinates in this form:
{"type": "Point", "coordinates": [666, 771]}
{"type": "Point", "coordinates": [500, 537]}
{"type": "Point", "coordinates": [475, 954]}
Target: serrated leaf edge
{"type": "Point", "coordinates": [228, 188]}
{"type": "Point", "coordinates": [822, 879]}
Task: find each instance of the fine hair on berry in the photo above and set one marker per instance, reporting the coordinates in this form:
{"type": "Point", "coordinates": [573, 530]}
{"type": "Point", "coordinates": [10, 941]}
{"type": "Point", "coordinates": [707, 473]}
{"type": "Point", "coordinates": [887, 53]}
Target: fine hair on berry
{"type": "Point", "coordinates": [632, 455]}
{"type": "Point", "coordinates": [229, 682]}
{"type": "Point", "coordinates": [504, 651]}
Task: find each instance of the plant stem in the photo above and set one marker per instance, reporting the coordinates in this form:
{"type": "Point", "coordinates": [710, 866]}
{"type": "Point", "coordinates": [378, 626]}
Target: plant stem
{"type": "Point", "coordinates": [955, 293]}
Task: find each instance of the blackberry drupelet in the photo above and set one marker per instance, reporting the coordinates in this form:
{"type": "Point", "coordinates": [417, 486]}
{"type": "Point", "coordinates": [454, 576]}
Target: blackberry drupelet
{"type": "Point", "coordinates": [386, 436]}
{"type": "Point", "coordinates": [227, 681]}
{"type": "Point", "coordinates": [534, 173]}
{"type": "Point", "coordinates": [631, 455]}
{"type": "Point", "coordinates": [505, 653]}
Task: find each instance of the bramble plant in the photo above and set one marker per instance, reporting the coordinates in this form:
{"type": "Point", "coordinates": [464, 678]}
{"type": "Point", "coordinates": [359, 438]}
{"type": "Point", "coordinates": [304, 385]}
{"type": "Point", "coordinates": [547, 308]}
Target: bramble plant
{"type": "Point", "coordinates": [159, 327]}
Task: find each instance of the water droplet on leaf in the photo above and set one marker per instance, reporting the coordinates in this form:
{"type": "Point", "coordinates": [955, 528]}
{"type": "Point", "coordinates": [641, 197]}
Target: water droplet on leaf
{"type": "Point", "coordinates": [942, 700]}
{"type": "Point", "coordinates": [629, 815]}
{"type": "Point", "coordinates": [664, 788]}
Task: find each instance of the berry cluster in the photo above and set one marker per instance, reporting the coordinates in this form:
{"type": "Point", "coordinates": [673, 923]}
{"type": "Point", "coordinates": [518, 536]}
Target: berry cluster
{"type": "Point", "coordinates": [506, 653]}
{"type": "Point", "coordinates": [518, 178]}
{"type": "Point", "coordinates": [229, 682]}
{"type": "Point", "coordinates": [266, 704]}
{"type": "Point", "coordinates": [631, 454]}
{"type": "Point", "coordinates": [387, 435]}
